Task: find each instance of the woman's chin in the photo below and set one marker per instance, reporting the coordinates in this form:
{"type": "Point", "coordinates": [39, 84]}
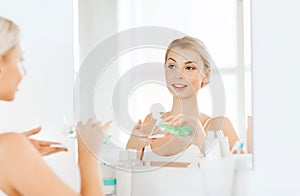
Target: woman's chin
{"type": "Point", "coordinates": [10, 97]}
{"type": "Point", "coordinates": [182, 95]}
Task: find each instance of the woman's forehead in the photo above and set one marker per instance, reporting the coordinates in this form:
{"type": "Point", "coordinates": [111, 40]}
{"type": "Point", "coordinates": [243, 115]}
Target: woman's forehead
{"type": "Point", "coordinates": [184, 54]}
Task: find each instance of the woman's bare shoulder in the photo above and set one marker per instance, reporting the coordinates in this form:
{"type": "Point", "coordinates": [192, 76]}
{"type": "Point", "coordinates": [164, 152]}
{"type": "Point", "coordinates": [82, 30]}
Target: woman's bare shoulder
{"type": "Point", "coordinates": [218, 122]}
{"type": "Point", "coordinates": [222, 119]}
{"type": "Point", "coordinates": [204, 119]}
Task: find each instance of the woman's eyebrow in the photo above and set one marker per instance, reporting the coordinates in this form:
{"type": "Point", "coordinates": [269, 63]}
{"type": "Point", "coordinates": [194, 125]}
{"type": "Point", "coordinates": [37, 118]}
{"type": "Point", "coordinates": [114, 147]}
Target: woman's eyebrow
{"type": "Point", "coordinates": [172, 59]}
{"type": "Point", "coordinates": [188, 62]}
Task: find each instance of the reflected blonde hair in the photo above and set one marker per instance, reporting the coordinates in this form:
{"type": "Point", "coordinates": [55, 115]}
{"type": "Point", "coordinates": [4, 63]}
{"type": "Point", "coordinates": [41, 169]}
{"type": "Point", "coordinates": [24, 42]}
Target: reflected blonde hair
{"type": "Point", "coordinates": [9, 35]}
{"type": "Point", "coordinates": [196, 45]}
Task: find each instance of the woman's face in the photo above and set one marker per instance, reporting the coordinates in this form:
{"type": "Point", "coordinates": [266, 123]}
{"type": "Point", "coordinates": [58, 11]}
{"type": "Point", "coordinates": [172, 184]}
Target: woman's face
{"type": "Point", "coordinates": [11, 72]}
{"type": "Point", "coordinates": [182, 71]}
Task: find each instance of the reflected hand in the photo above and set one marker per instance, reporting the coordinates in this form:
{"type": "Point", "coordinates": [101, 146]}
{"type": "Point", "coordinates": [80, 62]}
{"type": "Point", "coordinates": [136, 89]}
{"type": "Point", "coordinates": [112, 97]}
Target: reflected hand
{"type": "Point", "coordinates": [138, 138]}
{"type": "Point", "coordinates": [44, 147]}
{"type": "Point", "coordinates": [90, 136]}
{"type": "Point", "coordinates": [197, 131]}
{"type": "Point", "coordinates": [175, 120]}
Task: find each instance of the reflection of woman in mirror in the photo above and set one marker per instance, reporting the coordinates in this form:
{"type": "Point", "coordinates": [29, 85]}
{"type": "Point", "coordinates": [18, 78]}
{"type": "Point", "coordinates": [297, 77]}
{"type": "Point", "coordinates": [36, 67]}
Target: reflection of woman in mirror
{"type": "Point", "coordinates": [22, 169]}
{"type": "Point", "coordinates": [187, 70]}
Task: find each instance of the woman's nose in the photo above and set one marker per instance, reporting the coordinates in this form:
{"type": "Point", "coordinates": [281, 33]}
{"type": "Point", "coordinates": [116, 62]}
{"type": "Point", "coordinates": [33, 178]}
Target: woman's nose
{"type": "Point", "coordinates": [22, 69]}
{"type": "Point", "coordinates": [180, 74]}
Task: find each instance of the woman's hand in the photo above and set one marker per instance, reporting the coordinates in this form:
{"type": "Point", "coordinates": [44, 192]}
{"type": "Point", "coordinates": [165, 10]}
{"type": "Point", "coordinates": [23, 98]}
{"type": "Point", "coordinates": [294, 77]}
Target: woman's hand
{"type": "Point", "coordinates": [197, 131]}
{"type": "Point", "coordinates": [90, 136]}
{"type": "Point", "coordinates": [138, 140]}
{"type": "Point", "coordinates": [44, 147]}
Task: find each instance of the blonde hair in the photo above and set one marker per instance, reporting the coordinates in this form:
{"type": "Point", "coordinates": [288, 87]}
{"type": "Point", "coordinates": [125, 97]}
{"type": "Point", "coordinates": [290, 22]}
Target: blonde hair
{"type": "Point", "coordinates": [9, 35]}
{"type": "Point", "coordinates": [194, 44]}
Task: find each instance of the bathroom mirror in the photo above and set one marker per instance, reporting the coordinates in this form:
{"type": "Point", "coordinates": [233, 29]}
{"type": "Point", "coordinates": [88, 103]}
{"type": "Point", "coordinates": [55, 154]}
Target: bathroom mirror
{"type": "Point", "coordinates": [224, 27]}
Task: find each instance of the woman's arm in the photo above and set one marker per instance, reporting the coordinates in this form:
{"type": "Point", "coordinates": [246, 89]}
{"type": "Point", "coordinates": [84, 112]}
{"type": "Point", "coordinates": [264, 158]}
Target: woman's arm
{"type": "Point", "coordinates": [138, 138]}
{"type": "Point", "coordinates": [224, 124]}
{"type": "Point", "coordinates": [91, 183]}
{"type": "Point", "coordinates": [24, 172]}
{"type": "Point", "coordinates": [92, 134]}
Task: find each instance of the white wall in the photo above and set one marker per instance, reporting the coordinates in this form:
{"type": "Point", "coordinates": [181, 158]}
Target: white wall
{"type": "Point", "coordinates": [47, 90]}
{"type": "Point", "coordinates": [97, 21]}
{"type": "Point", "coordinates": [276, 68]}
{"type": "Point", "coordinates": [46, 93]}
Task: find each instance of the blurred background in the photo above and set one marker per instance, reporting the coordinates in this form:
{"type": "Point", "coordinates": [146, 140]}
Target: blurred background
{"type": "Point", "coordinates": [51, 29]}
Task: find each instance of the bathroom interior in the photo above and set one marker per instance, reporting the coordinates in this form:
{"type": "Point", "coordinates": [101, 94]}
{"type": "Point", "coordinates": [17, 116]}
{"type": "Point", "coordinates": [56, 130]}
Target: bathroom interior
{"type": "Point", "coordinates": [69, 31]}
{"type": "Point", "coordinates": [222, 26]}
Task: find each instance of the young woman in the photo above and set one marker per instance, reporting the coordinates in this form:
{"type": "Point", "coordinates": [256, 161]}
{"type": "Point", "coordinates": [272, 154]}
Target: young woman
{"type": "Point", "coordinates": [187, 70]}
{"type": "Point", "coordinates": [22, 169]}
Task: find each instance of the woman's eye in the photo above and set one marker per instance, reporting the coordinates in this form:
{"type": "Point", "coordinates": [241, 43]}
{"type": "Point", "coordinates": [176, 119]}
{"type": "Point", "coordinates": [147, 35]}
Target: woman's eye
{"type": "Point", "coordinates": [171, 66]}
{"type": "Point", "coordinates": [190, 68]}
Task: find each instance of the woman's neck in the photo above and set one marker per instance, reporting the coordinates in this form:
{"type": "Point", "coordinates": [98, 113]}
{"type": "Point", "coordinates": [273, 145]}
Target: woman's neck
{"type": "Point", "coordinates": [187, 106]}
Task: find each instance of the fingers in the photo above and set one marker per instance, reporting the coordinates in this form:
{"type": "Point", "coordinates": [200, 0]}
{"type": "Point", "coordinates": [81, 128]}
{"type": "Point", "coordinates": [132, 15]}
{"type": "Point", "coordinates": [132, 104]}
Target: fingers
{"type": "Point", "coordinates": [47, 143]}
{"type": "Point", "coordinates": [79, 124]}
{"type": "Point", "coordinates": [89, 122]}
{"type": "Point", "coordinates": [92, 129]}
{"type": "Point", "coordinates": [51, 150]}
{"type": "Point", "coordinates": [106, 126]}
{"type": "Point", "coordinates": [170, 136]}
{"type": "Point", "coordinates": [137, 128]}
{"type": "Point", "coordinates": [138, 124]}
{"type": "Point", "coordinates": [32, 131]}
{"type": "Point", "coordinates": [146, 141]}
{"type": "Point", "coordinates": [174, 120]}
{"type": "Point", "coordinates": [169, 118]}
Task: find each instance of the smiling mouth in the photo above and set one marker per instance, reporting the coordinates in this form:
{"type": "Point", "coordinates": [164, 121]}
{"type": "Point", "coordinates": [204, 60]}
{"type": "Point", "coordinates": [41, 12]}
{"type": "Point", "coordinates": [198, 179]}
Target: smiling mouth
{"type": "Point", "coordinates": [179, 87]}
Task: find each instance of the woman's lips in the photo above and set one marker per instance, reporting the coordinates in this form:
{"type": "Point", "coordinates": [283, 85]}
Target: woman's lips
{"type": "Point", "coordinates": [179, 87]}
